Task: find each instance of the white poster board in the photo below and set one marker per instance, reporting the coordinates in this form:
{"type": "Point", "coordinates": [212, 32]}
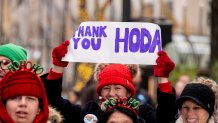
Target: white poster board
{"type": "Point", "coordinates": [115, 42]}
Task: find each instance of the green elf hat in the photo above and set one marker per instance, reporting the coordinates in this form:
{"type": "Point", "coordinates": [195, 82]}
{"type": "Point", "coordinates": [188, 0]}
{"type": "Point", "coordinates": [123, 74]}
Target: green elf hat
{"type": "Point", "coordinates": [13, 52]}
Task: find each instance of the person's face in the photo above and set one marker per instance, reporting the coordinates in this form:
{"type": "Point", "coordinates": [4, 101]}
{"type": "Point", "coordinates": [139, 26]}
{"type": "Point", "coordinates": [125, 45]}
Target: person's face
{"type": "Point", "coordinates": [23, 109]}
{"type": "Point", "coordinates": [4, 63]}
{"type": "Point", "coordinates": [118, 117]}
{"type": "Point", "coordinates": [114, 91]}
{"type": "Point", "coordinates": [193, 113]}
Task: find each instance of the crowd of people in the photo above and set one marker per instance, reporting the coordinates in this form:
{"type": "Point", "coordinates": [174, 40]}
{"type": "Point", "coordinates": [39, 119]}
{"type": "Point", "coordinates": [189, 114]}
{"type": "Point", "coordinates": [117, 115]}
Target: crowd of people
{"type": "Point", "coordinates": [26, 97]}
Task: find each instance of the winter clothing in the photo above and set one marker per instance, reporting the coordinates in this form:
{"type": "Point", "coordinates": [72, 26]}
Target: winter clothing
{"type": "Point", "coordinates": [53, 75]}
{"type": "Point", "coordinates": [167, 104]}
{"type": "Point", "coordinates": [115, 74]}
{"type": "Point", "coordinates": [145, 111]}
{"type": "Point", "coordinates": [118, 74]}
{"type": "Point", "coordinates": [22, 82]}
{"type": "Point", "coordinates": [166, 87]}
{"type": "Point", "coordinates": [60, 52]}
{"type": "Point", "coordinates": [53, 85]}
{"type": "Point", "coordinates": [203, 91]}
{"type": "Point", "coordinates": [111, 74]}
{"type": "Point", "coordinates": [200, 94]}
{"type": "Point", "coordinates": [166, 110]}
{"type": "Point", "coordinates": [54, 116]}
{"type": "Point", "coordinates": [164, 65]}
{"type": "Point", "coordinates": [71, 113]}
{"type": "Point", "coordinates": [14, 52]}
{"type": "Point", "coordinates": [196, 91]}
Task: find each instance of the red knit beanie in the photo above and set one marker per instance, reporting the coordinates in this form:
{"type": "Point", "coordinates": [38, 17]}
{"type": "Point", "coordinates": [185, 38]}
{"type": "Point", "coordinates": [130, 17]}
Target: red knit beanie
{"type": "Point", "coordinates": [116, 74]}
{"type": "Point", "coordinates": [23, 82]}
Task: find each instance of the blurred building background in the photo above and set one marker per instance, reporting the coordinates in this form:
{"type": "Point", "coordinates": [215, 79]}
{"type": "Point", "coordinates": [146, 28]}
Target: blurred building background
{"type": "Point", "coordinates": [189, 30]}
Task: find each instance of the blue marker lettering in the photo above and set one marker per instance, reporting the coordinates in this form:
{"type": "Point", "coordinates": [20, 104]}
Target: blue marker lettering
{"type": "Point", "coordinates": [102, 31]}
{"type": "Point", "coordinates": [85, 43]}
{"type": "Point", "coordinates": [134, 47]}
{"type": "Point", "coordinates": [95, 31]}
{"type": "Point", "coordinates": [145, 46]}
{"type": "Point", "coordinates": [76, 40]}
{"type": "Point", "coordinates": [124, 40]}
{"type": "Point", "coordinates": [97, 45]}
{"type": "Point", "coordinates": [80, 31]}
{"type": "Point", "coordinates": [156, 42]}
{"type": "Point", "coordinates": [88, 31]}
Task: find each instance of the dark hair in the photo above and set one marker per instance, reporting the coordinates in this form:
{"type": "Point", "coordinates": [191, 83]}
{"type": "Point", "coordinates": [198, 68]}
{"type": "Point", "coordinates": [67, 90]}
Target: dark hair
{"type": "Point", "coordinates": [105, 116]}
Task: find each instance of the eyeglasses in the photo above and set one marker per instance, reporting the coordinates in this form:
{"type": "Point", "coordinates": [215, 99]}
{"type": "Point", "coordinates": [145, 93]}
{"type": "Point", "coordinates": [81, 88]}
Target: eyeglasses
{"type": "Point", "coordinates": [5, 63]}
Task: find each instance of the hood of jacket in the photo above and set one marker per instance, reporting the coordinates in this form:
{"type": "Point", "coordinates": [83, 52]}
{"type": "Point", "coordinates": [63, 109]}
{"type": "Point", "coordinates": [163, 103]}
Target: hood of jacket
{"type": "Point", "coordinates": [54, 116]}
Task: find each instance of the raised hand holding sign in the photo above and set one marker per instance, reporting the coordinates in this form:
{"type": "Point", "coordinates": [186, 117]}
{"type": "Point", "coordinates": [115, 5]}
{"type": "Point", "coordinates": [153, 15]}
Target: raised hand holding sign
{"type": "Point", "coordinates": [115, 42]}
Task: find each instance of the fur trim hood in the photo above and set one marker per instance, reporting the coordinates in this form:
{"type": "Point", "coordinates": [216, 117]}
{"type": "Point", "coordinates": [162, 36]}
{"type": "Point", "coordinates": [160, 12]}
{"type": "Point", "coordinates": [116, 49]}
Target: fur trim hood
{"type": "Point", "coordinates": [54, 116]}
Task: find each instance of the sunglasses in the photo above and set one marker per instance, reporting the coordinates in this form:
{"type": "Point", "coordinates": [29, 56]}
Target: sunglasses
{"type": "Point", "coordinates": [5, 63]}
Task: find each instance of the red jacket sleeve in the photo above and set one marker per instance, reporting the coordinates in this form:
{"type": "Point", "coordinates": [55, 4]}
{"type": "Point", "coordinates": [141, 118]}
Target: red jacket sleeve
{"type": "Point", "coordinates": [166, 87]}
{"type": "Point", "coordinates": [53, 75]}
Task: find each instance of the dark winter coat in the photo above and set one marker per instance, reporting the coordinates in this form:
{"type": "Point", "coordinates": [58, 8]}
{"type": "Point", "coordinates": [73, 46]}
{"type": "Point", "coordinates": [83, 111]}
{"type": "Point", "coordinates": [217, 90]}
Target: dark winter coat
{"type": "Point", "coordinates": [71, 113]}
{"type": "Point", "coordinates": [166, 109]}
{"type": "Point", "coordinates": [145, 111]}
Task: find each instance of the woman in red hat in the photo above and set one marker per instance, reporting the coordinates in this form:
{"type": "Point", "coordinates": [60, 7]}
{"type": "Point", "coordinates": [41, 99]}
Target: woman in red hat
{"type": "Point", "coordinates": [115, 77]}
{"type": "Point", "coordinates": [11, 54]}
{"type": "Point", "coordinates": [114, 80]}
{"type": "Point", "coordinates": [23, 97]}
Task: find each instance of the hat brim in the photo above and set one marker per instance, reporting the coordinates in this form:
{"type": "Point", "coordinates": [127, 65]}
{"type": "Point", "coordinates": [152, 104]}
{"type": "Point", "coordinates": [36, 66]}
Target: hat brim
{"type": "Point", "coordinates": [180, 101]}
{"type": "Point", "coordinates": [113, 80]}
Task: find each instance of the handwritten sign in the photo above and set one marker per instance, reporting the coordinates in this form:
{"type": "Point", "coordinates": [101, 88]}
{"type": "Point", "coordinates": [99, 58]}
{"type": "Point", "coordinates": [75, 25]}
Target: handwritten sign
{"type": "Point", "coordinates": [115, 42]}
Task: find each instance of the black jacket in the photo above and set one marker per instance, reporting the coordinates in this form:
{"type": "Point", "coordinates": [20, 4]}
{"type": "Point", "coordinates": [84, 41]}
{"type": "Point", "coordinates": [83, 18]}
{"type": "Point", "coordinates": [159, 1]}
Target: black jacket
{"type": "Point", "coordinates": [166, 109]}
{"type": "Point", "coordinates": [71, 113]}
{"type": "Point", "coordinates": [146, 111]}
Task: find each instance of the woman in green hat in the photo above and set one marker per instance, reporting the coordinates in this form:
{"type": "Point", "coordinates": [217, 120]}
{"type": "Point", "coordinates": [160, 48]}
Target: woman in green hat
{"type": "Point", "coordinates": [10, 54]}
